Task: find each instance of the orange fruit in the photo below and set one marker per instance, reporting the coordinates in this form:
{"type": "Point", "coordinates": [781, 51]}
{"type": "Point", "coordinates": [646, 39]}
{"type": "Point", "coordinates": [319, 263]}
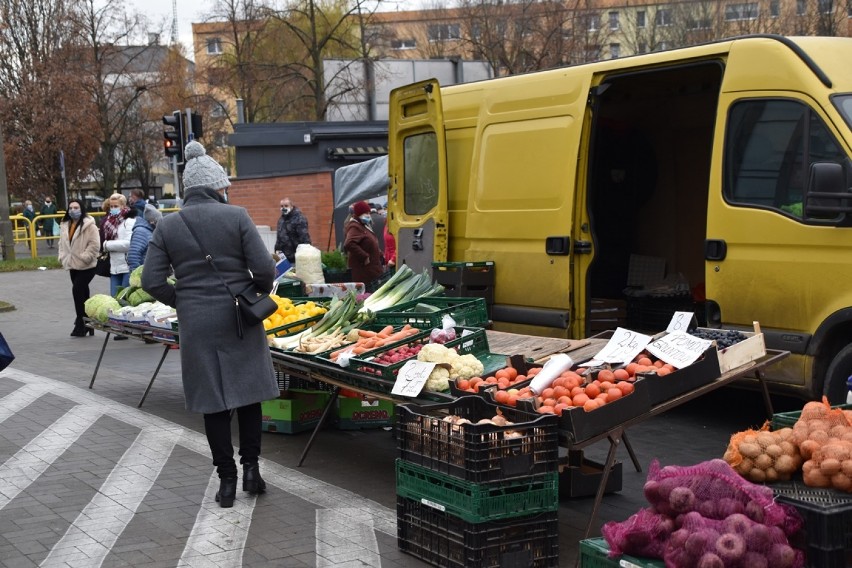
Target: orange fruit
{"type": "Point", "coordinates": [644, 361]}
{"type": "Point", "coordinates": [577, 390]}
{"type": "Point", "coordinates": [463, 384]}
{"type": "Point", "coordinates": [621, 374]}
{"type": "Point", "coordinates": [614, 394]}
{"type": "Point", "coordinates": [590, 405]}
{"type": "Point", "coordinates": [549, 401]}
{"type": "Point", "coordinates": [592, 390]}
{"type": "Point", "coordinates": [547, 393]}
{"type": "Point", "coordinates": [502, 397]}
{"type": "Point", "coordinates": [605, 375]}
{"type": "Point", "coordinates": [502, 374]}
{"type": "Point", "coordinates": [631, 369]}
{"type": "Point", "coordinates": [580, 400]}
{"type": "Point", "coordinates": [625, 387]}
{"type": "Point", "coordinates": [545, 410]}
{"type": "Point", "coordinates": [513, 372]}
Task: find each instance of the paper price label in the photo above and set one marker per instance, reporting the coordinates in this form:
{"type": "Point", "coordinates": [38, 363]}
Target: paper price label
{"type": "Point", "coordinates": [681, 321]}
{"type": "Point", "coordinates": [411, 378]}
{"type": "Point", "coordinates": [623, 347]}
{"type": "Point", "coordinates": [679, 348]}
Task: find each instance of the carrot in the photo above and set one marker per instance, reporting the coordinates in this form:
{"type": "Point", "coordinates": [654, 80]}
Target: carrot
{"type": "Point", "coordinates": [359, 350]}
{"type": "Point", "coordinates": [366, 333]}
{"type": "Point", "coordinates": [385, 331]}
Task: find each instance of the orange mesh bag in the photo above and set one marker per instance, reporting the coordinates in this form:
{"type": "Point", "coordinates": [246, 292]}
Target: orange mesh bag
{"type": "Point", "coordinates": [818, 424]}
{"type": "Point", "coordinates": [764, 456]}
{"type": "Point", "coordinates": [830, 466]}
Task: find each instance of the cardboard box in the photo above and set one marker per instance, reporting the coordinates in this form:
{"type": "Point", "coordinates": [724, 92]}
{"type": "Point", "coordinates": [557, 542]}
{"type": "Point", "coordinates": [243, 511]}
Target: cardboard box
{"type": "Point", "coordinates": [296, 410]}
{"type": "Point", "coordinates": [582, 478]}
{"type": "Point", "coordinates": [362, 413]}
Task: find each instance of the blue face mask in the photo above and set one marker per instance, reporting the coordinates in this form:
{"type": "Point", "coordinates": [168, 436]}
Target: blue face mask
{"type": "Point", "coordinates": [75, 213]}
{"type": "Point", "coordinates": [366, 219]}
{"type": "Point", "coordinates": [114, 210]}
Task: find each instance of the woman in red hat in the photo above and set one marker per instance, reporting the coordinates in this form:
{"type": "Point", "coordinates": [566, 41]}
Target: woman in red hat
{"type": "Point", "coordinates": [362, 246]}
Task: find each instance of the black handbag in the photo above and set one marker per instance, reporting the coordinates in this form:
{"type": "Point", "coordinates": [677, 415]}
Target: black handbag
{"type": "Point", "coordinates": [6, 355]}
{"type": "Point", "coordinates": [252, 305]}
{"type": "Point", "coordinates": [102, 268]}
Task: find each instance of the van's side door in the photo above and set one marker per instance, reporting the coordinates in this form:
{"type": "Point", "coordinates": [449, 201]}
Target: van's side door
{"type": "Point", "coordinates": [417, 164]}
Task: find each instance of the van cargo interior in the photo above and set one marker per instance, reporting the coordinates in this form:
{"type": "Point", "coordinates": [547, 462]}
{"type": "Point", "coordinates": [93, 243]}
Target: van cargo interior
{"type": "Point", "coordinates": [648, 182]}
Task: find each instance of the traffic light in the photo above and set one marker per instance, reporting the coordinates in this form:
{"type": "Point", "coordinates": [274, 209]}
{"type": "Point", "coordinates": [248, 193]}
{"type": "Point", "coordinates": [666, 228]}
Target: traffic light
{"type": "Point", "coordinates": [173, 136]}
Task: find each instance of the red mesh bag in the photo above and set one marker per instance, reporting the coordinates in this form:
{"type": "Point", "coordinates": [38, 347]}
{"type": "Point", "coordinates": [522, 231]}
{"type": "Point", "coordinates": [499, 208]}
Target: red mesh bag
{"type": "Point", "coordinates": [734, 542]}
{"type": "Point", "coordinates": [714, 490]}
{"type": "Point", "coordinates": [643, 534]}
{"type": "Point", "coordinates": [830, 466]}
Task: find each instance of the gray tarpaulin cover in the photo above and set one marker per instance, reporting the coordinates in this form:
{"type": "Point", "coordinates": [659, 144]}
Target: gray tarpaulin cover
{"type": "Point", "coordinates": [360, 182]}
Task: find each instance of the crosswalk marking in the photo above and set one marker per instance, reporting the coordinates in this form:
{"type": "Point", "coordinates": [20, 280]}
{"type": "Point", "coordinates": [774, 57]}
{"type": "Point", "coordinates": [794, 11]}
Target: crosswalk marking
{"type": "Point", "coordinates": [98, 526]}
{"type": "Point", "coordinates": [346, 538]}
{"type": "Point", "coordinates": [219, 535]}
{"type": "Point", "coordinates": [18, 400]}
{"type": "Point", "coordinates": [28, 463]}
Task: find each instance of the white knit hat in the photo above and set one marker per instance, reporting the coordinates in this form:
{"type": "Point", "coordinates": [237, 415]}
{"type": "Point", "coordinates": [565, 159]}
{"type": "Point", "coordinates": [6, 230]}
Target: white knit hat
{"type": "Point", "coordinates": [201, 170]}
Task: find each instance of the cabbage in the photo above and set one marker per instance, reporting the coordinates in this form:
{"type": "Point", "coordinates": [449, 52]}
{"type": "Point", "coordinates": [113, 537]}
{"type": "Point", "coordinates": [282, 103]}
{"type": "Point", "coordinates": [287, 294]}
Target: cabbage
{"type": "Point", "coordinates": [139, 296]}
{"type": "Point", "coordinates": [94, 302]}
{"type": "Point", "coordinates": [136, 277]}
{"type": "Point", "coordinates": [100, 311]}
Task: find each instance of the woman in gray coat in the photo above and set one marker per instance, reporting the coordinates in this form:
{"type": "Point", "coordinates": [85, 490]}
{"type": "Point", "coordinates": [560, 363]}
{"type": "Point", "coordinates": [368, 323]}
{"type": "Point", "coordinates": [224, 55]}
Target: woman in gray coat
{"type": "Point", "coordinates": [221, 371]}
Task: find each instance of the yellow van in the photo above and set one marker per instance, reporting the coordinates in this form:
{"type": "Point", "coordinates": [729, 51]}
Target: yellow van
{"type": "Point", "coordinates": [728, 161]}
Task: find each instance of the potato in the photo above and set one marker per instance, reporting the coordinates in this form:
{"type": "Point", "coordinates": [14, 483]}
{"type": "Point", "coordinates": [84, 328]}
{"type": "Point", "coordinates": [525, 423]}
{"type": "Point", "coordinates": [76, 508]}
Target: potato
{"type": "Point", "coordinates": [819, 436]}
{"type": "Point", "coordinates": [766, 439]}
{"type": "Point", "coordinates": [829, 466]}
{"type": "Point", "coordinates": [814, 478]}
{"type": "Point", "coordinates": [774, 450]}
{"type": "Point", "coordinates": [788, 448]}
{"type": "Point", "coordinates": [785, 464]}
{"type": "Point", "coordinates": [841, 482]}
{"type": "Point", "coordinates": [763, 462]}
{"type": "Point", "coordinates": [745, 466]}
{"type": "Point", "coordinates": [818, 425]}
{"type": "Point", "coordinates": [846, 468]}
{"type": "Point", "coordinates": [837, 431]}
{"type": "Point", "coordinates": [749, 450]}
{"type": "Point", "coordinates": [750, 439]}
{"type": "Point", "coordinates": [807, 448]}
{"type": "Point", "coordinates": [771, 475]}
{"type": "Point", "coordinates": [757, 475]}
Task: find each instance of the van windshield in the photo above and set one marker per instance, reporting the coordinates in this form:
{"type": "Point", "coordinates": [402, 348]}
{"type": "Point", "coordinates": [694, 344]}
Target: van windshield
{"type": "Point", "coordinates": [844, 105]}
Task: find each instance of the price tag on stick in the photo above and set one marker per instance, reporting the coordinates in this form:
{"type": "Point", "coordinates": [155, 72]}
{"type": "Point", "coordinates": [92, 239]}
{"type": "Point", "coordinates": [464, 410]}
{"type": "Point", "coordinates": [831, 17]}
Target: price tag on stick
{"type": "Point", "coordinates": [679, 348]}
{"type": "Point", "coordinates": [623, 347]}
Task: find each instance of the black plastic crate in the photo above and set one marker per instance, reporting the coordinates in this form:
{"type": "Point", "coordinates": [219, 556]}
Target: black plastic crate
{"type": "Point", "coordinates": [836, 557]}
{"type": "Point", "coordinates": [651, 313]}
{"type": "Point", "coordinates": [477, 452]}
{"type": "Point", "coordinates": [458, 274]}
{"type": "Point", "coordinates": [827, 514]}
{"type": "Point", "coordinates": [447, 541]}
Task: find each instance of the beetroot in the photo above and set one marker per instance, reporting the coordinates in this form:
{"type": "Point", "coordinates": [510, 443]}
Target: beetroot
{"type": "Point", "coordinates": [700, 540]}
{"type": "Point", "coordinates": [754, 560]}
{"type": "Point", "coordinates": [758, 538]}
{"type": "Point", "coordinates": [727, 507]}
{"type": "Point", "coordinates": [681, 500]}
{"type": "Point", "coordinates": [710, 560]}
{"type": "Point", "coordinates": [707, 509]}
{"type": "Point", "coordinates": [737, 524]}
{"type": "Point", "coordinates": [781, 556]}
{"type": "Point", "coordinates": [754, 511]}
{"type": "Point", "coordinates": [678, 538]}
{"type": "Point", "coordinates": [651, 490]}
{"type": "Point", "coordinates": [730, 547]}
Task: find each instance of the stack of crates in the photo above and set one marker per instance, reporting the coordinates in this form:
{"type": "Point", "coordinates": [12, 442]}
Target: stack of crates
{"type": "Point", "coordinates": [466, 279]}
{"type": "Point", "coordinates": [477, 495]}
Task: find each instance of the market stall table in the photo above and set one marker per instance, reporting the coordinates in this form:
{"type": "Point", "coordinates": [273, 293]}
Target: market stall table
{"type": "Point", "coordinates": [141, 332]}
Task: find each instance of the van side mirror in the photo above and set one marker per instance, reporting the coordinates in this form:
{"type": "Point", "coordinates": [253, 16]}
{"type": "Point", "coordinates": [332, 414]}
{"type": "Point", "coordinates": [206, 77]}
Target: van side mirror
{"type": "Point", "coordinates": [828, 195]}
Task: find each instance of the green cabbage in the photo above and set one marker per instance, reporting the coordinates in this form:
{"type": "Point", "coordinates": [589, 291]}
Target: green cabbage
{"type": "Point", "coordinates": [139, 296]}
{"type": "Point", "coordinates": [136, 277]}
{"type": "Point", "coordinates": [94, 302]}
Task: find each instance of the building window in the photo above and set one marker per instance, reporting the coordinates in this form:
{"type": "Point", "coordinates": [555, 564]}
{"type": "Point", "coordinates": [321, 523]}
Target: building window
{"type": "Point", "coordinates": [593, 53]}
{"type": "Point", "coordinates": [825, 6]}
{"type": "Point", "coordinates": [640, 19]}
{"type": "Point", "coordinates": [613, 21]}
{"type": "Point", "coordinates": [663, 17]}
{"type": "Point", "coordinates": [615, 50]}
{"type": "Point", "coordinates": [699, 24]}
{"type": "Point", "coordinates": [735, 12]}
{"type": "Point", "coordinates": [801, 7]}
{"type": "Point", "coordinates": [214, 46]}
{"type": "Point", "coordinates": [443, 32]}
{"type": "Point", "coordinates": [218, 111]}
{"type": "Point", "coordinates": [594, 22]}
{"type": "Point", "coordinates": [774, 8]}
{"type": "Point", "coordinates": [407, 43]}
{"type": "Point", "coordinates": [642, 47]}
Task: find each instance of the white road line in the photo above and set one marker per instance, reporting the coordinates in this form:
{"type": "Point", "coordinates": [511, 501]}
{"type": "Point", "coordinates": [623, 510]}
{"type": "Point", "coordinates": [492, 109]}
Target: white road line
{"type": "Point", "coordinates": [21, 398]}
{"type": "Point", "coordinates": [98, 526]}
{"type": "Point", "coordinates": [314, 491]}
{"type": "Point", "coordinates": [345, 537]}
{"type": "Point", "coordinates": [219, 535]}
{"type": "Point", "coordinates": [19, 471]}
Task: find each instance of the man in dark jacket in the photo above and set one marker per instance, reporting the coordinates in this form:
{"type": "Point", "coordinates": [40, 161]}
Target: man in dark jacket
{"type": "Point", "coordinates": [292, 230]}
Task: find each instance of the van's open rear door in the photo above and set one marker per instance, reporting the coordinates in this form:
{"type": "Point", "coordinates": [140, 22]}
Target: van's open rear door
{"type": "Point", "coordinates": [417, 200]}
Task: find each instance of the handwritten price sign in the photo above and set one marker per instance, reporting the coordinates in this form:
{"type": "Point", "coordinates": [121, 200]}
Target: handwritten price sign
{"type": "Point", "coordinates": [681, 321]}
{"type": "Point", "coordinates": [623, 347]}
{"type": "Point", "coordinates": [411, 378]}
{"type": "Point", "coordinates": [679, 348]}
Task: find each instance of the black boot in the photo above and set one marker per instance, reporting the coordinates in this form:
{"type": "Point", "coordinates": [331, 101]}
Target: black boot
{"type": "Point", "coordinates": [227, 492]}
{"type": "Point", "coordinates": [252, 482]}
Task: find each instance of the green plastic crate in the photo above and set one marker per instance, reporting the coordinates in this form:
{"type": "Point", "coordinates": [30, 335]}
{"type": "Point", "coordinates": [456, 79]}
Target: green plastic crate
{"type": "Point", "coordinates": [789, 419]}
{"type": "Point", "coordinates": [594, 554]}
{"type": "Point", "coordinates": [467, 312]}
{"type": "Point", "coordinates": [289, 288]}
{"type": "Point", "coordinates": [477, 502]}
{"type": "Point", "coordinates": [298, 325]}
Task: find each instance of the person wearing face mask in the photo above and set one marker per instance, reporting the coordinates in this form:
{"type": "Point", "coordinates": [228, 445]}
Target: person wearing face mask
{"type": "Point", "coordinates": [362, 247]}
{"type": "Point", "coordinates": [79, 245]}
{"type": "Point", "coordinates": [29, 213]}
{"type": "Point", "coordinates": [292, 231]}
{"type": "Point", "coordinates": [47, 224]}
{"type": "Point", "coordinates": [221, 371]}
{"type": "Point", "coordinates": [116, 230]}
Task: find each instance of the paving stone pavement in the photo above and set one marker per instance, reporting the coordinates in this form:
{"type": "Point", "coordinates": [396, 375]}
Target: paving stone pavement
{"type": "Point", "coordinates": [87, 479]}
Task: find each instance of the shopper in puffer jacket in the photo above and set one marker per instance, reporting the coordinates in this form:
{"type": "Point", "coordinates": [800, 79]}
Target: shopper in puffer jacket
{"type": "Point", "coordinates": [116, 229]}
{"type": "Point", "coordinates": [142, 231]}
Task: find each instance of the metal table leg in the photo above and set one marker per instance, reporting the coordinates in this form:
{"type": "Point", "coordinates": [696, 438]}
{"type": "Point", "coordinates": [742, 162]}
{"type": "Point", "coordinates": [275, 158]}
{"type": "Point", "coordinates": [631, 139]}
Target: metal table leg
{"type": "Point", "coordinates": [154, 376]}
{"type": "Point", "coordinates": [614, 440]}
{"type": "Point", "coordinates": [101, 356]}
{"type": "Point", "coordinates": [767, 402]}
{"type": "Point", "coordinates": [630, 451]}
{"type": "Point", "coordinates": [332, 399]}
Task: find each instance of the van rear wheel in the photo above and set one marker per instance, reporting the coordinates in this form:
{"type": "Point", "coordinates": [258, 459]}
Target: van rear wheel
{"type": "Point", "coordinates": [838, 372]}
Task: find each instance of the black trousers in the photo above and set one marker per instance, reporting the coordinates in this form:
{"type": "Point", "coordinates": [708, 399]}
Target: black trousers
{"type": "Point", "coordinates": [217, 426]}
{"type": "Point", "coordinates": [80, 280]}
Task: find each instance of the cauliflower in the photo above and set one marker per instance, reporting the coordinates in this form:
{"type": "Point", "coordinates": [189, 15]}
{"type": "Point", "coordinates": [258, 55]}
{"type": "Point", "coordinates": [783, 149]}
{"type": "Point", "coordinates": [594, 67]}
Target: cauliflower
{"type": "Point", "coordinates": [465, 367]}
{"type": "Point", "coordinates": [436, 353]}
{"type": "Point", "coordinates": [439, 380]}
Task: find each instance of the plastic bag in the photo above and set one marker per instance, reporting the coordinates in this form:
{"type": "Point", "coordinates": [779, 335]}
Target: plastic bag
{"type": "Point", "coordinates": [554, 367]}
{"type": "Point", "coordinates": [309, 264]}
{"type": "Point", "coordinates": [38, 232]}
{"type": "Point", "coordinates": [447, 331]}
